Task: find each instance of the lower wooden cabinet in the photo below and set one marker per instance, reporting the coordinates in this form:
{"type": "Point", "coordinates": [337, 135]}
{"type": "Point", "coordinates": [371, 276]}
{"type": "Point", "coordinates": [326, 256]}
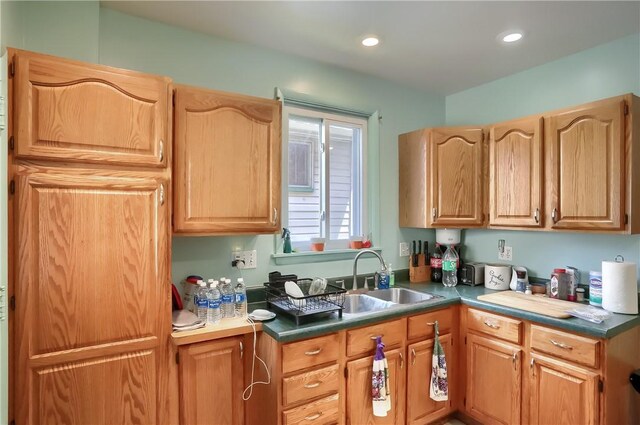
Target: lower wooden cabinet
{"type": "Point", "coordinates": [211, 382]}
{"type": "Point", "coordinates": [493, 381]}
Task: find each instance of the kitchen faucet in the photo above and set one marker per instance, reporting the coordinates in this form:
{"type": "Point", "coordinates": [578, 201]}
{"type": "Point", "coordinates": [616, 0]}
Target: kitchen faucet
{"type": "Point", "coordinates": [355, 265]}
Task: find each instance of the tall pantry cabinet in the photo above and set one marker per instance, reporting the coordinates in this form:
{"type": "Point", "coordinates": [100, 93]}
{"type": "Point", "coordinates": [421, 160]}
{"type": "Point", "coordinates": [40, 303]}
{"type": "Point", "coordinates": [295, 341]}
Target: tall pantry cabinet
{"type": "Point", "coordinates": [89, 213]}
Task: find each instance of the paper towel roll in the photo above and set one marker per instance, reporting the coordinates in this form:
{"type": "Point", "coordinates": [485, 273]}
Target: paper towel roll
{"type": "Point", "coordinates": [619, 287]}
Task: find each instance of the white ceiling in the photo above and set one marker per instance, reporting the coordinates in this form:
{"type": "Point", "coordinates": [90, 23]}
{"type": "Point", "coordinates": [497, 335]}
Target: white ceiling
{"type": "Point", "coordinates": [441, 47]}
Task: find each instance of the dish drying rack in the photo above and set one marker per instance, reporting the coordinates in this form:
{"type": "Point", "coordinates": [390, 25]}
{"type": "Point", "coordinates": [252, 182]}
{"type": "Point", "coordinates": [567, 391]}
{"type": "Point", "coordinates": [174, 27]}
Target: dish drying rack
{"type": "Point", "coordinates": [332, 299]}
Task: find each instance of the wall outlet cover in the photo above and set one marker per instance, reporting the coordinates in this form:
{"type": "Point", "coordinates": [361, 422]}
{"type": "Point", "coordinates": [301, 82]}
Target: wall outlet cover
{"type": "Point", "coordinates": [506, 254]}
{"type": "Point", "coordinates": [404, 249]}
{"type": "Point", "coordinates": [249, 258]}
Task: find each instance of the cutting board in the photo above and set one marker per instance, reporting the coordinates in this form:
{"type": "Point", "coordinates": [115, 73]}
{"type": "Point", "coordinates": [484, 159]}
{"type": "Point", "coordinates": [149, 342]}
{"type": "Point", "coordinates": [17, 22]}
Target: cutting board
{"type": "Point", "coordinates": [533, 303]}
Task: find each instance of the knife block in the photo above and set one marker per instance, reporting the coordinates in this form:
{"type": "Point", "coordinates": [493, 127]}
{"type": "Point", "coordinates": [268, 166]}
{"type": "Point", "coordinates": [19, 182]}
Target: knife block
{"type": "Point", "coordinates": [421, 273]}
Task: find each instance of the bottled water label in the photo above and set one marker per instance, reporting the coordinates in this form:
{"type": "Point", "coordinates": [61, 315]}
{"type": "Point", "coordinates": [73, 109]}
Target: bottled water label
{"type": "Point", "coordinates": [214, 303]}
{"type": "Point", "coordinates": [240, 298]}
{"type": "Point", "coordinates": [202, 303]}
{"type": "Point", "coordinates": [449, 266]}
{"type": "Point", "coordinates": [227, 298]}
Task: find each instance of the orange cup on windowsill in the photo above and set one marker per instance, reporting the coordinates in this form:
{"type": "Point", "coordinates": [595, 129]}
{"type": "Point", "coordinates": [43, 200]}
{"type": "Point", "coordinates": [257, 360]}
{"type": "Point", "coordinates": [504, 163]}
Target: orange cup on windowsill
{"type": "Point", "coordinates": [355, 242]}
{"type": "Point", "coordinates": [317, 244]}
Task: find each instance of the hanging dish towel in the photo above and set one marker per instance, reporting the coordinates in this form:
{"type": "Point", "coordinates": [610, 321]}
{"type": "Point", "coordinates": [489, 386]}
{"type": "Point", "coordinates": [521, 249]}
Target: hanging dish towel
{"type": "Point", "coordinates": [439, 385]}
{"type": "Point", "coordinates": [380, 390]}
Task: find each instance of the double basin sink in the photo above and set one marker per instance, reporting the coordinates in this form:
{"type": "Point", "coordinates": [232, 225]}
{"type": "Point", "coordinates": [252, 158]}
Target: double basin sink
{"type": "Point", "coordinates": [382, 299]}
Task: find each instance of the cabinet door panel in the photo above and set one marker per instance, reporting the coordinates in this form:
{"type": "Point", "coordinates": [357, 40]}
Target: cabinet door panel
{"type": "Point", "coordinates": [227, 163]}
{"type": "Point", "coordinates": [493, 381]}
{"type": "Point", "coordinates": [515, 194]}
{"type": "Point", "coordinates": [421, 409]}
{"type": "Point", "coordinates": [412, 187]}
{"type": "Point", "coordinates": [586, 160]}
{"type": "Point", "coordinates": [562, 393]}
{"type": "Point", "coordinates": [71, 111]}
{"type": "Point", "coordinates": [211, 383]}
{"type": "Point", "coordinates": [359, 404]}
{"type": "Point", "coordinates": [456, 177]}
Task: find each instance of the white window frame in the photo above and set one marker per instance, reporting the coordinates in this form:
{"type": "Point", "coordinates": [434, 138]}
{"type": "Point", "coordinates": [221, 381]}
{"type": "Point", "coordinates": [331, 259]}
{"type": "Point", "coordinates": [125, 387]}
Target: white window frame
{"type": "Point", "coordinates": [328, 119]}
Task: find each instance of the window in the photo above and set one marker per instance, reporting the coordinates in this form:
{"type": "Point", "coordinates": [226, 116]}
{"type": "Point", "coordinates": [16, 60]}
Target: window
{"type": "Point", "coordinates": [326, 169]}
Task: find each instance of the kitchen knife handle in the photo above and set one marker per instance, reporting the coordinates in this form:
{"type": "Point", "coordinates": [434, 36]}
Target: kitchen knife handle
{"type": "Point", "coordinates": [536, 215]}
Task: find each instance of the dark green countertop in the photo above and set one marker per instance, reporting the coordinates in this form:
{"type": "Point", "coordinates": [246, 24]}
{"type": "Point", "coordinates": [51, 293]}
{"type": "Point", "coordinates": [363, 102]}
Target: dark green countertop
{"type": "Point", "coordinates": [284, 329]}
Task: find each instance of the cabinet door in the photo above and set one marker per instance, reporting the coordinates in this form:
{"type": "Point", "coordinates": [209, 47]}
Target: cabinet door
{"type": "Point", "coordinates": [227, 163]}
{"type": "Point", "coordinates": [586, 167]}
{"type": "Point", "coordinates": [493, 381]}
{"type": "Point", "coordinates": [92, 299]}
{"type": "Point", "coordinates": [421, 409]}
{"type": "Point", "coordinates": [456, 177]}
{"type": "Point", "coordinates": [412, 159]}
{"type": "Point", "coordinates": [515, 172]}
{"type": "Point", "coordinates": [211, 381]}
{"type": "Point", "coordinates": [72, 111]}
{"type": "Point", "coordinates": [359, 404]}
{"type": "Point", "coordinates": [562, 393]}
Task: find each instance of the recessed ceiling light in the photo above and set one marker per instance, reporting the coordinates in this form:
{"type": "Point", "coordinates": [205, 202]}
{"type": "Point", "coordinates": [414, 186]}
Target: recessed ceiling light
{"type": "Point", "coordinates": [511, 36]}
{"type": "Point", "coordinates": [370, 41]}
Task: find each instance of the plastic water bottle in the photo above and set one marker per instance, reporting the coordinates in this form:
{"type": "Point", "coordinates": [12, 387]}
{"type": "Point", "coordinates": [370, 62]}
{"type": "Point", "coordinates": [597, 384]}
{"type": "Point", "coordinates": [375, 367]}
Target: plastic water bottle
{"type": "Point", "coordinates": [213, 299]}
{"type": "Point", "coordinates": [202, 302]}
{"type": "Point", "coordinates": [228, 299]}
{"type": "Point", "coordinates": [450, 267]}
{"type": "Point", "coordinates": [241, 298]}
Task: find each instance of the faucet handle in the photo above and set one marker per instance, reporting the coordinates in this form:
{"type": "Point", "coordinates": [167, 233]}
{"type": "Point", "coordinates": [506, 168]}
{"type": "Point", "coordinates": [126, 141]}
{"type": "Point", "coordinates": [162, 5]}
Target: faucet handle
{"type": "Point", "coordinates": [341, 282]}
{"type": "Point", "coordinates": [366, 282]}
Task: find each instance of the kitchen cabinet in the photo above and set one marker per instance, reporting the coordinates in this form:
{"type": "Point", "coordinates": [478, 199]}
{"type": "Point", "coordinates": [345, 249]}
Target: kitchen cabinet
{"type": "Point", "coordinates": [413, 179]}
{"type": "Point", "coordinates": [226, 164]}
{"type": "Point", "coordinates": [516, 173]}
{"type": "Point", "coordinates": [72, 111]}
{"type": "Point", "coordinates": [211, 382]}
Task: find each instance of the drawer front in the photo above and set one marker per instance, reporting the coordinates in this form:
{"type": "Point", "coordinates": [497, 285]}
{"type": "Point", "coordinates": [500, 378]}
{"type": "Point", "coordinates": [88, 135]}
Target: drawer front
{"type": "Point", "coordinates": [363, 340]}
{"type": "Point", "coordinates": [565, 345]}
{"type": "Point", "coordinates": [322, 412]}
{"type": "Point", "coordinates": [308, 385]}
{"type": "Point", "coordinates": [492, 324]}
{"type": "Point", "coordinates": [421, 326]}
{"type": "Point", "coordinates": [311, 352]}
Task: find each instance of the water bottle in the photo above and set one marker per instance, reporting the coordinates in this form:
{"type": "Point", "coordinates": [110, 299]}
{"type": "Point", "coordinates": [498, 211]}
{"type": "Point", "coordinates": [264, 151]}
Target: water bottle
{"type": "Point", "coordinates": [228, 299]}
{"type": "Point", "coordinates": [450, 267]}
{"type": "Point", "coordinates": [202, 302]}
{"type": "Point", "coordinates": [241, 298]}
{"type": "Point", "coordinates": [213, 298]}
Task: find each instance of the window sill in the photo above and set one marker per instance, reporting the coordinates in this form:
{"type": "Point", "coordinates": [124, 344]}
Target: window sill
{"type": "Point", "coordinates": [317, 257]}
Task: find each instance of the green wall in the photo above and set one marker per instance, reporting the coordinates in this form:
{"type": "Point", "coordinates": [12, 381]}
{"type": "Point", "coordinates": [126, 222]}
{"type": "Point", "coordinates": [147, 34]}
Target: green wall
{"type": "Point", "coordinates": [604, 71]}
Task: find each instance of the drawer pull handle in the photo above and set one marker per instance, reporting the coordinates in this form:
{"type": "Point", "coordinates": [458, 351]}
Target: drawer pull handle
{"type": "Point", "coordinates": [515, 359]}
{"type": "Point", "coordinates": [554, 215]}
{"type": "Point", "coordinates": [313, 385]}
{"type": "Point", "coordinates": [375, 337]}
{"type": "Point", "coordinates": [413, 356]}
{"type": "Point", "coordinates": [313, 417]}
{"type": "Point", "coordinates": [561, 345]}
{"type": "Point", "coordinates": [536, 215]}
{"type": "Point", "coordinates": [313, 353]}
{"type": "Point", "coordinates": [491, 325]}
{"type": "Point", "coordinates": [432, 323]}
{"type": "Point", "coordinates": [401, 361]}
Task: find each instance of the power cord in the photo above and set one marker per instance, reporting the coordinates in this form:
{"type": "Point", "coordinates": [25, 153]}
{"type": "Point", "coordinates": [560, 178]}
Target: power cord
{"type": "Point", "coordinates": [246, 396]}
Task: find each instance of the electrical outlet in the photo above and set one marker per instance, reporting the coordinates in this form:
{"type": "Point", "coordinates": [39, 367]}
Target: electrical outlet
{"type": "Point", "coordinates": [404, 249]}
{"type": "Point", "coordinates": [506, 254]}
{"type": "Point", "coordinates": [250, 259]}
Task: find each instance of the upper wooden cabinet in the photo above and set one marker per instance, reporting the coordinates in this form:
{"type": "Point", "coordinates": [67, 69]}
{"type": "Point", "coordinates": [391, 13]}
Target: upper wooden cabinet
{"type": "Point", "coordinates": [515, 173]}
{"type": "Point", "coordinates": [586, 166]}
{"type": "Point", "coordinates": [413, 179]}
{"type": "Point", "coordinates": [456, 177]}
{"type": "Point", "coordinates": [72, 111]}
{"type": "Point", "coordinates": [227, 163]}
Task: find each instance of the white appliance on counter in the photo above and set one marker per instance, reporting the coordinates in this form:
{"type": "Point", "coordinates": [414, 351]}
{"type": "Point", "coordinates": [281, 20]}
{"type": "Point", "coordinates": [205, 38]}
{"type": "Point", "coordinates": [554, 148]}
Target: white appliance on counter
{"type": "Point", "coordinates": [514, 277]}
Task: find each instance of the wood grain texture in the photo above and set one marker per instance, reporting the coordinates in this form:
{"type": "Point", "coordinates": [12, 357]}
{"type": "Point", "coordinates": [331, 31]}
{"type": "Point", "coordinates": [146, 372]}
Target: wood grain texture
{"type": "Point", "coordinates": [264, 406]}
{"type": "Point", "coordinates": [562, 393]}
{"type": "Point", "coordinates": [226, 328]}
{"type": "Point", "coordinates": [493, 381]}
{"type": "Point", "coordinates": [421, 326]}
{"type": "Point", "coordinates": [226, 163]}
{"type": "Point", "coordinates": [632, 158]}
{"type": "Point", "coordinates": [421, 409]}
{"type": "Point", "coordinates": [585, 166]}
{"type": "Point", "coordinates": [492, 324]}
{"type": "Point", "coordinates": [359, 405]}
{"type": "Point", "coordinates": [412, 184]}
{"type": "Point", "coordinates": [321, 412]}
{"type": "Point", "coordinates": [621, 403]}
{"type": "Point", "coordinates": [312, 352]}
{"type": "Point", "coordinates": [73, 111]}
{"type": "Point", "coordinates": [575, 348]}
{"type": "Point", "coordinates": [456, 177]}
{"type": "Point", "coordinates": [309, 385]}
{"type": "Point", "coordinates": [537, 303]}
{"type": "Point", "coordinates": [211, 383]}
{"type": "Point", "coordinates": [515, 161]}
{"type": "Point", "coordinates": [362, 341]}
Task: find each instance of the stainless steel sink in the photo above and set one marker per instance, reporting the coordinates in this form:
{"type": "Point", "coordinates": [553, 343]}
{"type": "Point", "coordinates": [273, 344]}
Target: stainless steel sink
{"type": "Point", "coordinates": [401, 295]}
{"type": "Point", "coordinates": [360, 303]}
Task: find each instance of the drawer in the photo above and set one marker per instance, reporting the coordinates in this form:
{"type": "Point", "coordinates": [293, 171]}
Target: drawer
{"type": "Point", "coordinates": [568, 346]}
{"type": "Point", "coordinates": [322, 412]}
{"type": "Point", "coordinates": [421, 327]}
{"type": "Point", "coordinates": [363, 340]}
{"type": "Point", "coordinates": [492, 324]}
{"type": "Point", "coordinates": [311, 352]}
{"type": "Point", "coordinates": [308, 385]}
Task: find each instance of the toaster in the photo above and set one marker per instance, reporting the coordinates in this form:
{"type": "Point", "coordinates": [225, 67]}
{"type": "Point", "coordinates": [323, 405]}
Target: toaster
{"type": "Point", "coordinates": [472, 274]}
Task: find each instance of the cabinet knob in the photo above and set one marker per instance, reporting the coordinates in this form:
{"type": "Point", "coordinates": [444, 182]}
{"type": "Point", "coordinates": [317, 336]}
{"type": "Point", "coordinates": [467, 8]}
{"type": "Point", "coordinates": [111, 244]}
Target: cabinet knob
{"type": "Point", "coordinates": [413, 356]}
{"type": "Point", "coordinates": [554, 215]}
{"type": "Point", "coordinates": [401, 361]}
{"type": "Point", "coordinates": [161, 194]}
{"type": "Point", "coordinates": [275, 216]}
{"type": "Point", "coordinates": [241, 349]}
{"type": "Point", "coordinates": [434, 213]}
{"type": "Point", "coordinates": [536, 215]}
{"type": "Point", "coordinates": [515, 360]}
{"type": "Point", "coordinates": [161, 150]}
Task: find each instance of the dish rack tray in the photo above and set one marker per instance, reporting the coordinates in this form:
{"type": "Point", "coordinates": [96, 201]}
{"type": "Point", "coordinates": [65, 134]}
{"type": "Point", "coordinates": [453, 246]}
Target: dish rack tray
{"type": "Point", "coordinates": [332, 299]}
